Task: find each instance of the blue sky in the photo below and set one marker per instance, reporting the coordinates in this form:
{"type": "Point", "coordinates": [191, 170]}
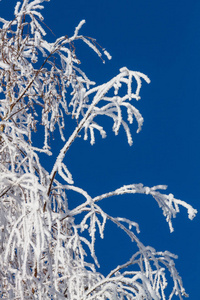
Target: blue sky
{"type": "Point", "coordinates": [162, 40]}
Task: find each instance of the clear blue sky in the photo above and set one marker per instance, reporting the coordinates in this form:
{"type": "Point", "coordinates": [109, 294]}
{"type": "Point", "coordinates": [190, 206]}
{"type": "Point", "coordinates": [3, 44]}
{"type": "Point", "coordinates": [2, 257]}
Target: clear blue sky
{"type": "Point", "coordinates": [161, 39]}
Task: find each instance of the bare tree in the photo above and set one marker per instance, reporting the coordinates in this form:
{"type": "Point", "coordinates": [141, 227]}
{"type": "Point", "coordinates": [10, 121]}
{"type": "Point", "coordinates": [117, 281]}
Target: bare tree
{"type": "Point", "coordinates": [42, 248]}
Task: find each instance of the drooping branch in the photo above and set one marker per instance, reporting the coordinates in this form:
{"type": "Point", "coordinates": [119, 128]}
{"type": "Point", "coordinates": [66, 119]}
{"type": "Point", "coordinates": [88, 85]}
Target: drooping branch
{"type": "Point", "coordinates": [87, 120]}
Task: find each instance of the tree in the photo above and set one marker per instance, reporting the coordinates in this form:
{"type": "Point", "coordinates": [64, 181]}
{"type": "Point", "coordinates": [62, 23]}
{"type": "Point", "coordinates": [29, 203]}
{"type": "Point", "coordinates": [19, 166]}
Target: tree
{"type": "Point", "coordinates": [43, 245]}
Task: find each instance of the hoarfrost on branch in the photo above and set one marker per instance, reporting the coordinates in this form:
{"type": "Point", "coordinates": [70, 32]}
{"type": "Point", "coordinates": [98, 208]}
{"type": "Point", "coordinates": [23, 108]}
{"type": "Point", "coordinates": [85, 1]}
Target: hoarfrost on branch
{"type": "Point", "coordinates": [42, 250]}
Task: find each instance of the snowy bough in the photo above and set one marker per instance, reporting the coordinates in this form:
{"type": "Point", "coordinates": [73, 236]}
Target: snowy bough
{"type": "Point", "coordinates": [42, 247]}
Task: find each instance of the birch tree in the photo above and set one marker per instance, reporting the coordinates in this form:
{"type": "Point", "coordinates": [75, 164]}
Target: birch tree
{"type": "Point", "coordinates": [42, 246]}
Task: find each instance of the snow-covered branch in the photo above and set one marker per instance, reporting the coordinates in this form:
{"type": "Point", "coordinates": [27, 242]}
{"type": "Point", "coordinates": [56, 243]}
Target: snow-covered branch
{"type": "Point", "coordinates": [43, 243]}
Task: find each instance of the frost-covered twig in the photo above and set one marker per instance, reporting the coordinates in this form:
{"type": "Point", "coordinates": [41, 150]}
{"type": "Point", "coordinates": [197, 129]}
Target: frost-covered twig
{"type": "Point", "coordinates": [169, 204]}
{"type": "Point", "coordinates": [93, 110]}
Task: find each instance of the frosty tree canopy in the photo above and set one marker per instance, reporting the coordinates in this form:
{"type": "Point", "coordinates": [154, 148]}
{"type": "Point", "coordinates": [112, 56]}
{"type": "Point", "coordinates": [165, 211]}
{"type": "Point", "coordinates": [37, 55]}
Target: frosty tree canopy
{"type": "Point", "coordinates": [42, 249]}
